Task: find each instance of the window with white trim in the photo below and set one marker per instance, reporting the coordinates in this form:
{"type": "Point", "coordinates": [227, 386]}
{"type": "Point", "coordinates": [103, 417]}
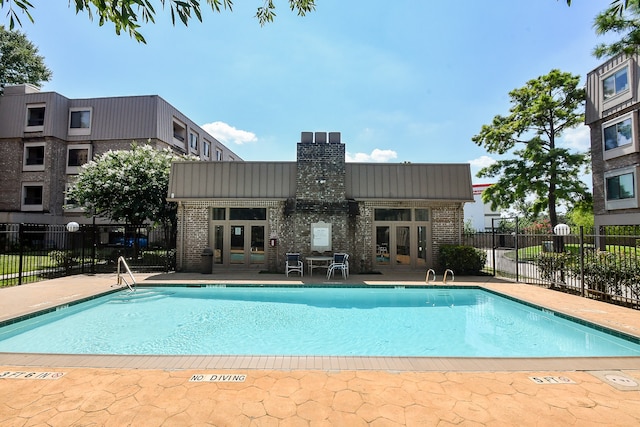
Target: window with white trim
{"type": "Point", "coordinates": [206, 149]}
{"type": "Point", "coordinates": [615, 83]}
{"type": "Point", "coordinates": [619, 136]}
{"type": "Point", "coordinates": [77, 155]}
{"type": "Point", "coordinates": [218, 154]}
{"type": "Point", "coordinates": [32, 194]}
{"type": "Point", "coordinates": [621, 188]}
{"type": "Point", "coordinates": [80, 121]}
{"type": "Point", "coordinates": [193, 141]}
{"type": "Point", "coordinates": [33, 159]}
{"type": "Point", "coordinates": [179, 133]}
{"type": "Point", "coordinates": [35, 117]}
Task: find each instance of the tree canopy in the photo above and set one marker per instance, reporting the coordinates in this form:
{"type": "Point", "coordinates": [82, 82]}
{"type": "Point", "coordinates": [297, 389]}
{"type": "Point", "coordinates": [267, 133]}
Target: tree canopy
{"type": "Point", "coordinates": [128, 185]}
{"type": "Point", "coordinates": [129, 15]}
{"type": "Point", "coordinates": [541, 111]}
{"type": "Point", "coordinates": [19, 60]}
{"type": "Point", "coordinates": [622, 18]}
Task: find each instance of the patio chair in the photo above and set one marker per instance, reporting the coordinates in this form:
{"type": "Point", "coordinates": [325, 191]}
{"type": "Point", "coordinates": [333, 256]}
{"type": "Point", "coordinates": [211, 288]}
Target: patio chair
{"type": "Point", "coordinates": [340, 262]}
{"type": "Point", "coordinates": [294, 264]}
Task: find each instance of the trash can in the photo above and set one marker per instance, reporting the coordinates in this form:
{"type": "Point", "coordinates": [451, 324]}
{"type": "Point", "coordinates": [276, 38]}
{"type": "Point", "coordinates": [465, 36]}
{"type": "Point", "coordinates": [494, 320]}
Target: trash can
{"type": "Point", "coordinates": [206, 261]}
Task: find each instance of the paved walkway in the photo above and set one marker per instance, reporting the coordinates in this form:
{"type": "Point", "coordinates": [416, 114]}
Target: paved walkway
{"type": "Point", "coordinates": [183, 393]}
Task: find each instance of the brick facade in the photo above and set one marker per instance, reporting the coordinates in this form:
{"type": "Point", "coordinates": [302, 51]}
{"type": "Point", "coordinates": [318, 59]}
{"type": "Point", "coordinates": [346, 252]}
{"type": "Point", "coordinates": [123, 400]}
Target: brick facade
{"type": "Point", "coordinates": [319, 197]}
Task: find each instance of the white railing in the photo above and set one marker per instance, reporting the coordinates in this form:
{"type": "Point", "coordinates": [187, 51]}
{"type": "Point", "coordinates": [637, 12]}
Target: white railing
{"type": "Point", "coordinates": [121, 278]}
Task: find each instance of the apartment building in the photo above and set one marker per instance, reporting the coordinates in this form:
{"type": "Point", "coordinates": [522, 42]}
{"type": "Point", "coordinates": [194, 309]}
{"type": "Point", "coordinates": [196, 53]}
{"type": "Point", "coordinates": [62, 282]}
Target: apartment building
{"type": "Point", "coordinates": [45, 137]}
{"type": "Point", "coordinates": [612, 107]}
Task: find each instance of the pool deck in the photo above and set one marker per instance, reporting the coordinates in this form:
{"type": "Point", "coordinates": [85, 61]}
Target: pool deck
{"type": "Point", "coordinates": [310, 391]}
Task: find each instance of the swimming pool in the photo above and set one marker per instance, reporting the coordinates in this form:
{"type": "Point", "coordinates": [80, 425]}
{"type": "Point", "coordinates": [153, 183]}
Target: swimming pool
{"type": "Point", "coordinates": [468, 322]}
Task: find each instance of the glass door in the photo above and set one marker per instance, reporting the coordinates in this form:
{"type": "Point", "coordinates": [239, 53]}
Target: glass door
{"type": "Point", "coordinates": [421, 261]}
{"type": "Point", "coordinates": [237, 255]}
{"type": "Point", "coordinates": [403, 246]}
{"type": "Point", "coordinates": [382, 246]}
{"type": "Point", "coordinates": [257, 244]}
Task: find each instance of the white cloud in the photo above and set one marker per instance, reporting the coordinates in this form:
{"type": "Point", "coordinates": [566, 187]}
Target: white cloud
{"type": "Point", "coordinates": [578, 138]}
{"type": "Point", "coordinates": [482, 162]}
{"type": "Point", "coordinates": [376, 156]}
{"type": "Point", "coordinates": [228, 134]}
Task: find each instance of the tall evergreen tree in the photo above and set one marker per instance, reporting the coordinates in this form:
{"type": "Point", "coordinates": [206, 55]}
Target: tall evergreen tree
{"type": "Point", "coordinates": [541, 111]}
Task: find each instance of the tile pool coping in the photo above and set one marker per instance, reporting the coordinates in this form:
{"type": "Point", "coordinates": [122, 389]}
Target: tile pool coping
{"type": "Point", "coordinates": [328, 363]}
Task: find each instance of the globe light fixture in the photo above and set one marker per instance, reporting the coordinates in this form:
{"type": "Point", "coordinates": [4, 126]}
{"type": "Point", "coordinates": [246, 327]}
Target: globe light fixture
{"type": "Point", "coordinates": [73, 226]}
{"type": "Point", "coordinates": [562, 230]}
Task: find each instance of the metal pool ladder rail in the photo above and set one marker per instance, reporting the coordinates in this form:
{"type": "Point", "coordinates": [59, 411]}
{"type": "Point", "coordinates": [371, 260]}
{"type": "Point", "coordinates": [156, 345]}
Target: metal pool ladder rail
{"type": "Point", "coordinates": [121, 278]}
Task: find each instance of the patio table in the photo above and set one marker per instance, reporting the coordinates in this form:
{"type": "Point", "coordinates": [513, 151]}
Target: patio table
{"type": "Point", "coordinates": [318, 262]}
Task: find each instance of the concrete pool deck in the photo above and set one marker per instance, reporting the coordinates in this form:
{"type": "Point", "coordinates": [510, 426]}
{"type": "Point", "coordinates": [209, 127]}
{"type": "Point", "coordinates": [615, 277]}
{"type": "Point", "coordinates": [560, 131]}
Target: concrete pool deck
{"type": "Point", "coordinates": [156, 390]}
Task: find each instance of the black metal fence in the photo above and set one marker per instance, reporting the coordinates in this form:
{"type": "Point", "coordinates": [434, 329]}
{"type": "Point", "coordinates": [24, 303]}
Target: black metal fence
{"type": "Point", "coordinates": [601, 264]}
{"type": "Point", "coordinates": [32, 252]}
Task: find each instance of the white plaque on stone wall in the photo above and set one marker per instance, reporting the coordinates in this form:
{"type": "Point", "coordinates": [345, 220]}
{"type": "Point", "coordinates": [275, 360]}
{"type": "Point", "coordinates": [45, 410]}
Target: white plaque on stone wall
{"type": "Point", "coordinates": [321, 236]}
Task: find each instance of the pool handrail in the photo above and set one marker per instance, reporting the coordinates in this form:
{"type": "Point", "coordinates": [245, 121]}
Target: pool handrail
{"type": "Point", "coordinates": [122, 261]}
{"type": "Point", "coordinates": [446, 272]}
{"type": "Point", "coordinates": [431, 270]}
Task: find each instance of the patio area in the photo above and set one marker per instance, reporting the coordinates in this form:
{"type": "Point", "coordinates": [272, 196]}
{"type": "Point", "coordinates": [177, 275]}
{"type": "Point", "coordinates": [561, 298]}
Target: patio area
{"type": "Point", "coordinates": [191, 390]}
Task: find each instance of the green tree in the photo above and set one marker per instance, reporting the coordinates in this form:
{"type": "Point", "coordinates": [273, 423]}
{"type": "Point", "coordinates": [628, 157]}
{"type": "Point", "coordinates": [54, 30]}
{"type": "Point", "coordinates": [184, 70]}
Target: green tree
{"type": "Point", "coordinates": [621, 18]}
{"type": "Point", "coordinates": [128, 15]}
{"type": "Point", "coordinates": [19, 60]}
{"type": "Point", "coordinates": [541, 111]}
{"type": "Point", "coordinates": [128, 186]}
{"type": "Point", "coordinates": [581, 213]}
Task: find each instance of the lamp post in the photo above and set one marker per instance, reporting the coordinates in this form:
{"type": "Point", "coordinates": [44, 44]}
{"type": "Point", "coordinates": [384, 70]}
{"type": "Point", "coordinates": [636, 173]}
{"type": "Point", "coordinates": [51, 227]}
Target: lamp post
{"type": "Point", "coordinates": [561, 230]}
{"type": "Point", "coordinates": [72, 227]}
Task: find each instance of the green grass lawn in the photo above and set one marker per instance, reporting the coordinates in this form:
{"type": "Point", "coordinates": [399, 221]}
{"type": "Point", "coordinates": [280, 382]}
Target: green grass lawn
{"type": "Point", "coordinates": [9, 264]}
{"type": "Point", "coordinates": [530, 253]}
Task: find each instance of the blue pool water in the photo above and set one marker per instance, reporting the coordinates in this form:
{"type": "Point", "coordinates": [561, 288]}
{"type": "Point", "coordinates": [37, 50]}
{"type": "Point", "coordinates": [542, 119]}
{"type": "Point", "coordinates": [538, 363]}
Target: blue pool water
{"type": "Point", "coordinates": [310, 321]}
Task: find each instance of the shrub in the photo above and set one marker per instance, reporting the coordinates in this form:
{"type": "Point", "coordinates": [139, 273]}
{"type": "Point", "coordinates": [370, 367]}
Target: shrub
{"type": "Point", "coordinates": [60, 258]}
{"type": "Point", "coordinates": [612, 273]}
{"type": "Point", "coordinates": [462, 259]}
{"type": "Point", "coordinates": [549, 264]}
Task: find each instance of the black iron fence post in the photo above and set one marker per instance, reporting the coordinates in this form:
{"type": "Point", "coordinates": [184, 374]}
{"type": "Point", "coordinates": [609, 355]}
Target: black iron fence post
{"type": "Point", "coordinates": [94, 244]}
{"type": "Point", "coordinates": [20, 251]}
{"type": "Point", "coordinates": [582, 260]}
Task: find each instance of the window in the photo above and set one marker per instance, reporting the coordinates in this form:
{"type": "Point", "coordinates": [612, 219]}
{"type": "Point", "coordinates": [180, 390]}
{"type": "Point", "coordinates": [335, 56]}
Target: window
{"type": "Point", "coordinates": [79, 121]}
{"type": "Point", "coordinates": [193, 141]}
{"type": "Point", "coordinates": [618, 136]}
{"type": "Point", "coordinates": [32, 197]}
{"type": "Point", "coordinates": [248, 214]}
{"type": "Point", "coordinates": [615, 83]}
{"type": "Point", "coordinates": [620, 189]}
{"type": "Point", "coordinates": [179, 133]}
{"type": "Point", "coordinates": [422, 214]}
{"type": "Point", "coordinates": [35, 117]}
{"type": "Point", "coordinates": [218, 214]}
{"type": "Point", "coordinates": [206, 149]}
{"type": "Point", "coordinates": [218, 154]}
{"type": "Point", "coordinates": [392, 214]}
{"type": "Point", "coordinates": [33, 156]}
{"type": "Point", "coordinates": [77, 155]}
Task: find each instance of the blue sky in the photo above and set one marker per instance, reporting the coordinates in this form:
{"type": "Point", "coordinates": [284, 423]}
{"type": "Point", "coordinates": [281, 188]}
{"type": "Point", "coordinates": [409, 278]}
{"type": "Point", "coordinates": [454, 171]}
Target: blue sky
{"type": "Point", "coordinates": [402, 80]}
